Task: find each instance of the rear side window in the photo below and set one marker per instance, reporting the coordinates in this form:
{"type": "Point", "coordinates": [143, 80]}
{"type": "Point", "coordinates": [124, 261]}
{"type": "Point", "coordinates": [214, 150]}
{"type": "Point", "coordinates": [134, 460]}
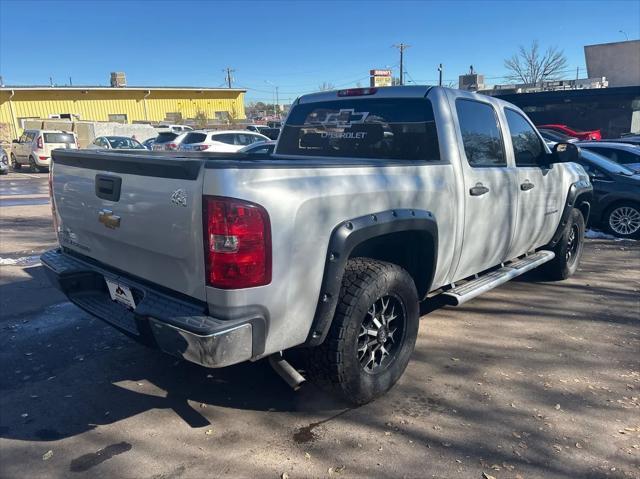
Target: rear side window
{"type": "Point", "coordinates": [228, 138]}
{"type": "Point", "coordinates": [481, 135]}
{"type": "Point", "coordinates": [391, 129]}
{"type": "Point", "coordinates": [166, 136]}
{"type": "Point", "coordinates": [194, 138]}
{"type": "Point", "coordinates": [527, 147]}
{"type": "Point", "coordinates": [58, 138]}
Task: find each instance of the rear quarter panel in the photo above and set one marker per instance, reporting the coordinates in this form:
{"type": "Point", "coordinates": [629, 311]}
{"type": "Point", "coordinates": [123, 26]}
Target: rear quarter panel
{"type": "Point", "coordinates": [304, 206]}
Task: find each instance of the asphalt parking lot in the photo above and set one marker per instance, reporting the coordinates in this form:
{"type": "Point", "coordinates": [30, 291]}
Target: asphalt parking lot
{"type": "Point", "coordinates": [532, 380]}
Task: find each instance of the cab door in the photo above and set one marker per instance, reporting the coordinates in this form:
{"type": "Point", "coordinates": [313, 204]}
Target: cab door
{"type": "Point", "coordinates": [539, 186]}
{"type": "Point", "coordinates": [489, 186]}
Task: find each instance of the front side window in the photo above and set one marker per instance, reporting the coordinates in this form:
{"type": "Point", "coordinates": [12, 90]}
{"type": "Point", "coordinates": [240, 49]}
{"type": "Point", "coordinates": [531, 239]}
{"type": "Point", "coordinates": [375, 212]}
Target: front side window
{"type": "Point", "coordinates": [527, 147]}
{"type": "Point", "coordinates": [481, 135]}
{"type": "Point", "coordinates": [376, 128]}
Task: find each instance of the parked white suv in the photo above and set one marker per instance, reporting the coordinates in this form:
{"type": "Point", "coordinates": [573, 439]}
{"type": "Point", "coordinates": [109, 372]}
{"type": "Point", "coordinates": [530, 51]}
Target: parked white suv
{"type": "Point", "coordinates": [34, 147]}
{"type": "Point", "coordinates": [168, 140]}
{"type": "Point", "coordinates": [219, 141]}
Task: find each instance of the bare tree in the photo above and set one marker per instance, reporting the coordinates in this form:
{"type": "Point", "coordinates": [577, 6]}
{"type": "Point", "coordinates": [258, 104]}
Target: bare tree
{"type": "Point", "coordinates": [326, 86]}
{"type": "Point", "coordinates": [529, 65]}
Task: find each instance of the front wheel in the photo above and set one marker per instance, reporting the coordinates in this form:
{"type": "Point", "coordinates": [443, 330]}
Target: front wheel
{"type": "Point", "coordinates": [568, 250]}
{"type": "Point", "coordinates": [623, 220]}
{"type": "Point", "coordinates": [372, 334]}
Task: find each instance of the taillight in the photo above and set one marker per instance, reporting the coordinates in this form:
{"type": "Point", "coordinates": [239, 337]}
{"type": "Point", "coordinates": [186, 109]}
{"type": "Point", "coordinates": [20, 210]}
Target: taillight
{"type": "Point", "coordinates": [39, 143]}
{"type": "Point", "coordinates": [237, 239]}
{"type": "Point", "coordinates": [172, 146]}
{"type": "Point", "coordinates": [357, 91]}
{"type": "Point", "coordinates": [202, 147]}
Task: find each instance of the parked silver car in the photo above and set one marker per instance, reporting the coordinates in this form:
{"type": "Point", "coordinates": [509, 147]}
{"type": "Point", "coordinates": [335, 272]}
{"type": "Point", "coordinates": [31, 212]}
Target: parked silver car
{"type": "Point", "coordinates": [4, 161]}
{"type": "Point", "coordinates": [116, 143]}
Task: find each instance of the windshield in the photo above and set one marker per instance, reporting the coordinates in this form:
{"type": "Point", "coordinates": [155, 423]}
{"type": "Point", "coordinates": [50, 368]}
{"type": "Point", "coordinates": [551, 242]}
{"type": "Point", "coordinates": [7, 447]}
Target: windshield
{"type": "Point", "coordinates": [59, 138]}
{"type": "Point", "coordinates": [124, 143]}
{"type": "Point", "coordinates": [380, 128]}
{"type": "Point", "coordinates": [605, 163]}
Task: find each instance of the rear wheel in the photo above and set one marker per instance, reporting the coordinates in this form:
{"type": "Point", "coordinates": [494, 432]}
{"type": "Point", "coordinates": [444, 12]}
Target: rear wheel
{"type": "Point", "coordinates": [14, 163]}
{"type": "Point", "coordinates": [623, 220]}
{"type": "Point", "coordinates": [372, 334]}
{"type": "Point", "coordinates": [568, 251]}
{"type": "Point", "coordinates": [32, 164]}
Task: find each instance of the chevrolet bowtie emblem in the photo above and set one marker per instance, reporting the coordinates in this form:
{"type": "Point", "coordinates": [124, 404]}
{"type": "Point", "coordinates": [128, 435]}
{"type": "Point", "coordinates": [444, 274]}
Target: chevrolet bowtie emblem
{"type": "Point", "coordinates": [107, 218]}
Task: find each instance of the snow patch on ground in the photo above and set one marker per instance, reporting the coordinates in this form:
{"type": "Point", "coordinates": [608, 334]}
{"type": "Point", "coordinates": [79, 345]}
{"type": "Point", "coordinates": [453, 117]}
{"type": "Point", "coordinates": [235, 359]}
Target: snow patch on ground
{"type": "Point", "coordinates": [594, 234]}
{"type": "Point", "coordinates": [22, 261]}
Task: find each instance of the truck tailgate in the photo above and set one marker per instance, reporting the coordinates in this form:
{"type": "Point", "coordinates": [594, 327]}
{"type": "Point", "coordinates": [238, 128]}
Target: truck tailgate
{"type": "Point", "coordinates": [138, 213]}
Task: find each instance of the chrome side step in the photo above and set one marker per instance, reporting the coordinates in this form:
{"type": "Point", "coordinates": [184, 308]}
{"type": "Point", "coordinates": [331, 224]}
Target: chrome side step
{"type": "Point", "coordinates": [469, 290]}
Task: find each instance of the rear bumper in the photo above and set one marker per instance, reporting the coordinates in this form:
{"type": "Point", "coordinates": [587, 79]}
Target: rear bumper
{"type": "Point", "coordinates": [177, 326]}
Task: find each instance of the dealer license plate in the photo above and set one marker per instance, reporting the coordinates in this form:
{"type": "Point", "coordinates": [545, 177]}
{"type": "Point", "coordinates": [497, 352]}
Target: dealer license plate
{"type": "Point", "coordinates": [121, 293]}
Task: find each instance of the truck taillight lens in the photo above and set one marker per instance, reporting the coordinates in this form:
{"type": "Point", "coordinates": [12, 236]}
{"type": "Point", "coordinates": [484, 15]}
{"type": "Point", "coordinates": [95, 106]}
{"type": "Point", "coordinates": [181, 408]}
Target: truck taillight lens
{"type": "Point", "coordinates": [237, 238]}
{"type": "Point", "coordinates": [39, 143]}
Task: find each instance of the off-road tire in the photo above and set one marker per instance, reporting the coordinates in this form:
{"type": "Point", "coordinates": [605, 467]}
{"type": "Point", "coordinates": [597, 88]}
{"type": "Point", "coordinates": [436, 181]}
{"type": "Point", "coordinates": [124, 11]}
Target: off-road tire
{"type": "Point", "coordinates": [632, 209]}
{"type": "Point", "coordinates": [15, 166]}
{"type": "Point", "coordinates": [568, 253]}
{"type": "Point", "coordinates": [335, 364]}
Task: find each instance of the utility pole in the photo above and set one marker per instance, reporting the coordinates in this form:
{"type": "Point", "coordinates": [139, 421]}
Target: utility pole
{"type": "Point", "coordinates": [276, 106]}
{"type": "Point", "coordinates": [575, 87]}
{"type": "Point", "coordinates": [402, 47]}
{"type": "Point", "coordinates": [440, 68]}
{"type": "Point", "coordinates": [229, 71]}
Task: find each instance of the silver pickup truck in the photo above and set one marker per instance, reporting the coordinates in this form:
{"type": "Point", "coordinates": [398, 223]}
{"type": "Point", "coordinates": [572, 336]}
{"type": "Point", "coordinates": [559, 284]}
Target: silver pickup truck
{"type": "Point", "coordinates": [374, 200]}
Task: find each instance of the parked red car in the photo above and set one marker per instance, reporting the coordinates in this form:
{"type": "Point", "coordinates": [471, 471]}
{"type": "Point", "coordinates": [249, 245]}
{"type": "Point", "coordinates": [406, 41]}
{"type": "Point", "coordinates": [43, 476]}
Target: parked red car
{"type": "Point", "coordinates": [581, 135]}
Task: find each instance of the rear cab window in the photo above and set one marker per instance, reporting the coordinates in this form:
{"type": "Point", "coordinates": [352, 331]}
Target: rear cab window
{"type": "Point", "coordinates": [481, 136]}
{"type": "Point", "coordinates": [376, 128]}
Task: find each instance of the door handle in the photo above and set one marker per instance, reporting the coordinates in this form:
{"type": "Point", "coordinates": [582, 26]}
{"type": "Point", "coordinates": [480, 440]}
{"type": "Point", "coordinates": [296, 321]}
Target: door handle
{"type": "Point", "coordinates": [526, 186]}
{"type": "Point", "coordinates": [478, 190]}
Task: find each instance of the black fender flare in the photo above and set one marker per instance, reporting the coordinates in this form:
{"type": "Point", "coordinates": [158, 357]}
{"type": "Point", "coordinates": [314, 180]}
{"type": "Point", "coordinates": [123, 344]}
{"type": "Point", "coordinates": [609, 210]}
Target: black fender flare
{"type": "Point", "coordinates": [349, 234]}
{"type": "Point", "coordinates": [579, 196]}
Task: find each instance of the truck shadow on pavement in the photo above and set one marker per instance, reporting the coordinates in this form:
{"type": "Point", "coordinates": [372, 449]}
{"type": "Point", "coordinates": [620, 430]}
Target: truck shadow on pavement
{"type": "Point", "coordinates": [531, 379]}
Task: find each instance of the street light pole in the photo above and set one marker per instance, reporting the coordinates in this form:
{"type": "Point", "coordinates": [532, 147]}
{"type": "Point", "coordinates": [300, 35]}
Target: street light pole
{"type": "Point", "coordinates": [624, 33]}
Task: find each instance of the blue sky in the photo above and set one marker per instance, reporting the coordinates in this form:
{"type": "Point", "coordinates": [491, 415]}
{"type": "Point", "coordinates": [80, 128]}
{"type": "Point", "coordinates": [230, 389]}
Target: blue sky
{"type": "Point", "coordinates": [295, 45]}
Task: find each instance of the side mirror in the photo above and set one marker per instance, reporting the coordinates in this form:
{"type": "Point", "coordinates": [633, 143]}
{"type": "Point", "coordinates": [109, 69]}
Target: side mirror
{"type": "Point", "coordinates": [15, 141]}
{"type": "Point", "coordinates": [565, 153]}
